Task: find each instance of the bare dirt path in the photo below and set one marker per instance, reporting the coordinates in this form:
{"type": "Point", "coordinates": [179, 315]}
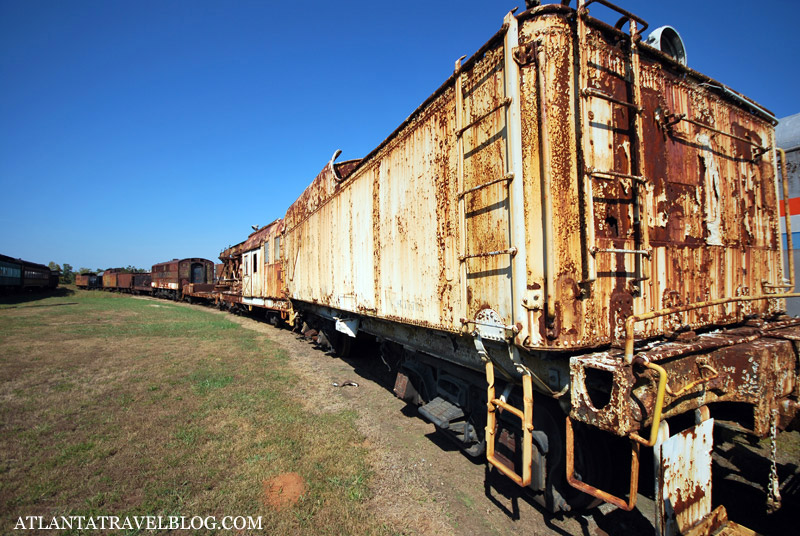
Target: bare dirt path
{"type": "Point", "coordinates": [421, 483]}
{"type": "Point", "coordinates": [424, 485]}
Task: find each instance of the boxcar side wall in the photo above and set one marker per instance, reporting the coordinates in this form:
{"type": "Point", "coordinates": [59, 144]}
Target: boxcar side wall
{"type": "Point", "coordinates": [392, 241]}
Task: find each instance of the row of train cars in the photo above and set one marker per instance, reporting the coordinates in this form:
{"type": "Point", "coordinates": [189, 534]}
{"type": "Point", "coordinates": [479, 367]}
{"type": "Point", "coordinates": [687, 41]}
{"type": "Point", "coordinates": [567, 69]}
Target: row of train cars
{"type": "Point", "coordinates": [176, 279]}
{"type": "Point", "coordinates": [249, 277]}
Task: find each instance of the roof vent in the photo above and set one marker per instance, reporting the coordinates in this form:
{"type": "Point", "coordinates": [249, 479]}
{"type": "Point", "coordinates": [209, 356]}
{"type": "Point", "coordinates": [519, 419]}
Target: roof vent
{"type": "Point", "coordinates": [668, 40]}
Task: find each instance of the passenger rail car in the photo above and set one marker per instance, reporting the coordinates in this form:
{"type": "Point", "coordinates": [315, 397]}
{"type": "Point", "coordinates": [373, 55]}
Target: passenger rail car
{"type": "Point", "coordinates": [18, 275]}
{"type": "Point", "coordinates": [579, 233]}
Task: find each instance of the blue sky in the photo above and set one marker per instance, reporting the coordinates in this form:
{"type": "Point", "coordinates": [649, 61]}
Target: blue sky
{"type": "Point", "coordinates": [135, 132]}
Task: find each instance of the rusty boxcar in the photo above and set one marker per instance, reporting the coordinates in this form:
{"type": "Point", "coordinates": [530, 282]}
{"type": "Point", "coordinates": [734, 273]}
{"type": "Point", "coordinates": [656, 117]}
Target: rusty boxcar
{"type": "Point", "coordinates": [589, 227]}
{"type": "Point", "coordinates": [111, 279]}
{"type": "Point", "coordinates": [125, 282]}
{"type": "Point", "coordinates": [142, 283]}
{"type": "Point", "coordinates": [169, 278]}
{"type": "Point", "coordinates": [88, 280]}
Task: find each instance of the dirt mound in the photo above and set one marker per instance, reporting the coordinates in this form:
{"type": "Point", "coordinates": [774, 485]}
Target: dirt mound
{"type": "Point", "coordinates": [283, 490]}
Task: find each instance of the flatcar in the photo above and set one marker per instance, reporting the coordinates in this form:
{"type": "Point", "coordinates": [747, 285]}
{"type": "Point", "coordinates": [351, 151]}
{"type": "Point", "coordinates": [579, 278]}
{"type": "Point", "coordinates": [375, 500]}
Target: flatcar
{"type": "Point", "coordinates": [18, 275]}
{"type": "Point", "coordinates": [573, 247]}
{"type": "Point", "coordinates": [168, 279]}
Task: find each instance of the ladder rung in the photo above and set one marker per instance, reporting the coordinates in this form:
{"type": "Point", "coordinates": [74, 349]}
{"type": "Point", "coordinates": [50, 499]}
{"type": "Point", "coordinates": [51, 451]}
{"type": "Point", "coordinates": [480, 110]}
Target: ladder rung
{"type": "Point", "coordinates": [592, 92]}
{"type": "Point", "coordinates": [645, 252]}
{"type": "Point", "coordinates": [508, 177]}
{"type": "Point", "coordinates": [504, 102]}
{"type": "Point", "coordinates": [509, 408]}
{"type": "Point", "coordinates": [510, 251]}
{"type": "Point", "coordinates": [606, 174]}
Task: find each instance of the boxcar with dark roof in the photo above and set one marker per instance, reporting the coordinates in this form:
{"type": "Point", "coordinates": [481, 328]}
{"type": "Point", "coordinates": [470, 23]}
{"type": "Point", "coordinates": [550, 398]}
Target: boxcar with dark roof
{"type": "Point", "coordinates": [169, 278]}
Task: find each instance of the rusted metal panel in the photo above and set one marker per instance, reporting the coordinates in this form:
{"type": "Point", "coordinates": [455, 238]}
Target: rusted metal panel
{"type": "Point", "coordinates": [125, 281]}
{"type": "Point", "coordinates": [755, 365]}
{"type": "Point", "coordinates": [644, 187]}
{"type": "Point", "coordinates": [261, 268]}
{"type": "Point", "coordinates": [173, 275]}
{"type": "Point", "coordinates": [684, 479]}
{"type": "Point", "coordinates": [710, 201]}
{"type": "Point", "coordinates": [142, 282]}
{"type": "Point", "coordinates": [111, 278]}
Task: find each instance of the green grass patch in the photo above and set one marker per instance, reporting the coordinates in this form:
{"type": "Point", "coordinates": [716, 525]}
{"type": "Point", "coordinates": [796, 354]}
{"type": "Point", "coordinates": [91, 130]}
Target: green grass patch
{"type": "Point", "coordinates": [114, 405]}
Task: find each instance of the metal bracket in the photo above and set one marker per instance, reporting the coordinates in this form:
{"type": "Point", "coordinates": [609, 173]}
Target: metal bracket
{"type": "Point", "coordinates": [525, 54]}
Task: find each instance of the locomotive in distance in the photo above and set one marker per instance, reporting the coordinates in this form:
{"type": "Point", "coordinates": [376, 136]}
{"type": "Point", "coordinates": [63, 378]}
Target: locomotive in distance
{"type": "Point", "coordinates": [571, 251]}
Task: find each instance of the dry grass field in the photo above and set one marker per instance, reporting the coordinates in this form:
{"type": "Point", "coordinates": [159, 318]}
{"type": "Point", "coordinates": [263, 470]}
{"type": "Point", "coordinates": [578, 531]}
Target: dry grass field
{"type": "Point", "coordinates": [113, 405]}
{"type": "Point", "coordinates": [123, 406]}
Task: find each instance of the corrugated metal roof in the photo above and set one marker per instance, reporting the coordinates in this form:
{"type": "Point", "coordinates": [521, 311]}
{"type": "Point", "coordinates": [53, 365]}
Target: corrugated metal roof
{"type": "Point", "coordinates": [787, 133]}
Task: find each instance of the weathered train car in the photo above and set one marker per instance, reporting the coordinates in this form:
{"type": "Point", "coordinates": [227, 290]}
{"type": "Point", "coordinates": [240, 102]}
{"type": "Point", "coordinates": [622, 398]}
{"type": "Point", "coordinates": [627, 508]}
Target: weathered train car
{"type": "Point", "coordinates": [18, 275]}
{"type": "Point", "coordinates": [142, 283]}
{"type": "Point", "coordinates": [125, 282]}
{"type": "Point", "coordinates": [10, 274]}
{"type": "Point", "coordinates": [55, 277]}
{"type": "Point", "coordinates": [262, 273]}
{"type": "Point", "coordinates": [111, 279]}
{"type": "Point", "coordinates": [88, 281]}
{"type": "Point", "coordinates": [37, 276]}
{"type": "Point", "coordinates": [169, 278]}
{"type": "Point", "coordinates": [228, 285]}
{"type": "Point", "coordinates": [585, 224]}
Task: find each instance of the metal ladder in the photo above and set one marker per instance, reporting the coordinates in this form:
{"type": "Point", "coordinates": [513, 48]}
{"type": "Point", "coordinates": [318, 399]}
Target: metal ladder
{"type": "Point", "coordinates": [525, 415]}
{"type": "Point", "coordinates": [515, 247]}
{"type": "Point", "coordinates": [504, 103]}
{"type": "Point", "coordinates": [636, 177]}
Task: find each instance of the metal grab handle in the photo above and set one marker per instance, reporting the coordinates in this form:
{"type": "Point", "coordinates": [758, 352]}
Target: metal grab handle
{"type": "Point", "coordinates": [673, 119]}
{"type": "Point", "coordinates": [662, 387]}
{"type": "Point", "coordinates": [626, 15]}
{"type": "Point", "coordinates": [597, 492]}
{"type": "Point", "coordinates": [702, 380]}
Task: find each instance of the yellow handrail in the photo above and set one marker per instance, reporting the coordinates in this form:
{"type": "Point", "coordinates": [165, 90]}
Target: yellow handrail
{"type": "Point", "coordinates": [662, 387]}
{"type": "Point", "coordinates": [526, 416]}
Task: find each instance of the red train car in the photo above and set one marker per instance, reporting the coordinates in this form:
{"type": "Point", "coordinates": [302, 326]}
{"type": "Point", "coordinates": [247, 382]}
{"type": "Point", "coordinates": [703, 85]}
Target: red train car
{"type": "Point", "coordinates": [169, 278]}
{"type": "Point", "coordinates": [111, 278]}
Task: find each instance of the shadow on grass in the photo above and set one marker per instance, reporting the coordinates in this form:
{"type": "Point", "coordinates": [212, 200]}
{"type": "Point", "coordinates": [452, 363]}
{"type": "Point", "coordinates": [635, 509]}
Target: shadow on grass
{"type": "Point", "coordinates": [36, 295]}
